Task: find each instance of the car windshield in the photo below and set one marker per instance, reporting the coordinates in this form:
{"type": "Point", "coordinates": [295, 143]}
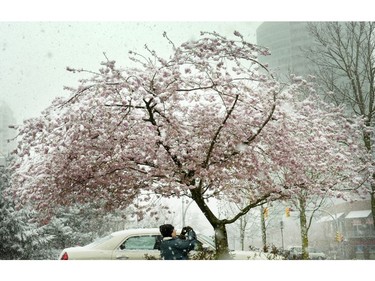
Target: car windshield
{"type": "Point", "coordinates": [207, 240]}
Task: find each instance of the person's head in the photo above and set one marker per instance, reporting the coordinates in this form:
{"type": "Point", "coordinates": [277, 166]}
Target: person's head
{"type": "Point", "coordinates": [167, 230]}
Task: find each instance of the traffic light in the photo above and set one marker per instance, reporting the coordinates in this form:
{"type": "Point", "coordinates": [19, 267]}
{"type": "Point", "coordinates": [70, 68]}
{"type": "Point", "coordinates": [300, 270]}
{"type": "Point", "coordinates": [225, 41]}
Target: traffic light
{"type": "Point", "coordinates": [339, 237]}
{"type": "Point", "coordinates": [265, 212]}
{"type": "Point", "coordinates": [287, 212]}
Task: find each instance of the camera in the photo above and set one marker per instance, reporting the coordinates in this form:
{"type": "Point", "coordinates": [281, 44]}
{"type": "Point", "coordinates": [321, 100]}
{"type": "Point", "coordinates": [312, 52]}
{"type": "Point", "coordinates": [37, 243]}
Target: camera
{"type": "Point", "coordinates": [185, 230]}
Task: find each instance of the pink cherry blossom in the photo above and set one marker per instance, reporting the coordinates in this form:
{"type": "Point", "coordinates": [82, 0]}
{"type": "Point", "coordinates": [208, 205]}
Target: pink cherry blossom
{"type": "Point", "coordinates": [207, 122]}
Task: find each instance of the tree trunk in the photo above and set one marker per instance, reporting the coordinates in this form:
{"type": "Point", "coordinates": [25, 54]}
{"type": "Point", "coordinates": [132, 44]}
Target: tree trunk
{"type": "Point", "coordinates": [304, 229]}
{"type": "Point", "coordinates": [368, 144]}
{"type": "Point", "coordinates": [221, 236]}
{"type": "Point", "coordinates": [264, 230]}
{"type": "Point", "coordinates": [221, 239]}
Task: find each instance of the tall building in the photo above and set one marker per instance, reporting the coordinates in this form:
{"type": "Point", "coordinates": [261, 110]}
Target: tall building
{"type": "Point", "coordinates": [6, 134]}
{"type": "Point", "coordinates": [286, 41]}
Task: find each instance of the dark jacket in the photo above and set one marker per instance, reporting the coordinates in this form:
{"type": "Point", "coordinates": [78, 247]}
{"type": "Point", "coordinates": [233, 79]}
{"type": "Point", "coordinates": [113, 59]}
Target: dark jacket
{"type": "Point", "coordinates": [177, 248]}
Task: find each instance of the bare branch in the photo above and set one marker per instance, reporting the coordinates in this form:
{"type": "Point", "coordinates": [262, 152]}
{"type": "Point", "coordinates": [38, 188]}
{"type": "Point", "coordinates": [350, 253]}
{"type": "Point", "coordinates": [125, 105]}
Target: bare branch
{"type": "Point", "coordinates": [213, 141]}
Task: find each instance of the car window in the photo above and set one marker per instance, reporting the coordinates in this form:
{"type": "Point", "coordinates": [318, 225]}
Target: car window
{"type": "Point", "coordinates": [140, 243]}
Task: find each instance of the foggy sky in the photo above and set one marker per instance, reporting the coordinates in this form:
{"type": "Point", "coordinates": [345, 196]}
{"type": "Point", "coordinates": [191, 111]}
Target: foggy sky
{"type": "Point", "coordinates": [34, 55]}
{"type": "Point", "coordinates": [38, 41]}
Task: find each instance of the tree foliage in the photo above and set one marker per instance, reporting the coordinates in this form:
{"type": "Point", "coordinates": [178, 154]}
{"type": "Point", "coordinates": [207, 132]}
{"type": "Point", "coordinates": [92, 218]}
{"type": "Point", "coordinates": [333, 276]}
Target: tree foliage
{"type": "Point", "coordinates": [209, 121]}
{"type": "Point", "coordinates": [343, 56]}
{"type": "Point", "coordinates": [21, 237]}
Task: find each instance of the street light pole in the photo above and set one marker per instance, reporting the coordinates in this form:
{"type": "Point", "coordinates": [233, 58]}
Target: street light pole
{"type": "Point", "coordinates": [334, 218]}
{"type": "Point", "coordinates": [337, 228]}
{"type": "Point", "coordinates": [282, 234]}
{"type": "Point", "coordinates": [183, 211]}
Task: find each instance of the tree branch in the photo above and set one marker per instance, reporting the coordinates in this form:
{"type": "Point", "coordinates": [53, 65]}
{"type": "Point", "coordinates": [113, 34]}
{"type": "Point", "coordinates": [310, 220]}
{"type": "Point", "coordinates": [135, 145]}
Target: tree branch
{"type": "Point", "coordinates": [213, 142]}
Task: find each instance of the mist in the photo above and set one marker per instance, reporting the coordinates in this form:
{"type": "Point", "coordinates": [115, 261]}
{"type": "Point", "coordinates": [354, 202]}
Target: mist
{"type": "Point", "coordinates": [34, 55]}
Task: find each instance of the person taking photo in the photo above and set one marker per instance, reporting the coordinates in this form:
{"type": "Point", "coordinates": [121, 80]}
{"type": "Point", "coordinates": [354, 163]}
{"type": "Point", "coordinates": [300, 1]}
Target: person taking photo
{"type": "Point", "coordinates": [173, 247]}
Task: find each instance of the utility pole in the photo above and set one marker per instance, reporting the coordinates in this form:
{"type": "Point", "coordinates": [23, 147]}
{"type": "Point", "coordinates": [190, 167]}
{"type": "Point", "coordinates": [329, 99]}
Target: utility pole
{"type": "Point", "coordinates": [282, 234]}
{"type": "Point", "coordinates": [337, 228]}
{"type": "Point", "coordinates": [183, 210]}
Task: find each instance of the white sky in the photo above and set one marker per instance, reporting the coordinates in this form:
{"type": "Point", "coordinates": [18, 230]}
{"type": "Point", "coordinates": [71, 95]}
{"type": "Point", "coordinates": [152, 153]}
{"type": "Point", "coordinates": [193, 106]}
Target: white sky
{"type": "Point", "coordinates": [39, 40]}
{"type": "Point", "coordinates": [34, 55]}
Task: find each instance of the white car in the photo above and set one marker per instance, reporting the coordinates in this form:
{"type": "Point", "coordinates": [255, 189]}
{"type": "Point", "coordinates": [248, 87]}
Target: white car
{"type": "Point", "coordinates": [142, 244]}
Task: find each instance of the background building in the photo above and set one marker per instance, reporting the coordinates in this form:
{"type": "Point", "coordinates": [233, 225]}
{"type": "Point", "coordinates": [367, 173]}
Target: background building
{"type": "Point", "coordinates": [347, 231]}
{"type": "Point", "coordinates": [286, 41]}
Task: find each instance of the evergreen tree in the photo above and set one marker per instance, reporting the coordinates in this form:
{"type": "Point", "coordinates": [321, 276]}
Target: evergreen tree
{"type": "Point", "coordinates": [20, 236]}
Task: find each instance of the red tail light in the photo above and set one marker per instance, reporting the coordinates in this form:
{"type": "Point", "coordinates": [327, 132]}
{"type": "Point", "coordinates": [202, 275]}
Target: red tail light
{"type": "Point", "coordinates": [65, 256]}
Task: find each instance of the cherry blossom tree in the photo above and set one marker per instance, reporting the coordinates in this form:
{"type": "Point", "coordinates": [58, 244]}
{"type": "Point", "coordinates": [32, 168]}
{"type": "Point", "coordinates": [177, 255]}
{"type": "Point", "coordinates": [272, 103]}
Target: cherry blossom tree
{"type": "Point", "coordinates": [343, 55]}
{"type": "Point", "coordinates": [207, 122]}
{"type": "Point", "coordinates": [331, 167]}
